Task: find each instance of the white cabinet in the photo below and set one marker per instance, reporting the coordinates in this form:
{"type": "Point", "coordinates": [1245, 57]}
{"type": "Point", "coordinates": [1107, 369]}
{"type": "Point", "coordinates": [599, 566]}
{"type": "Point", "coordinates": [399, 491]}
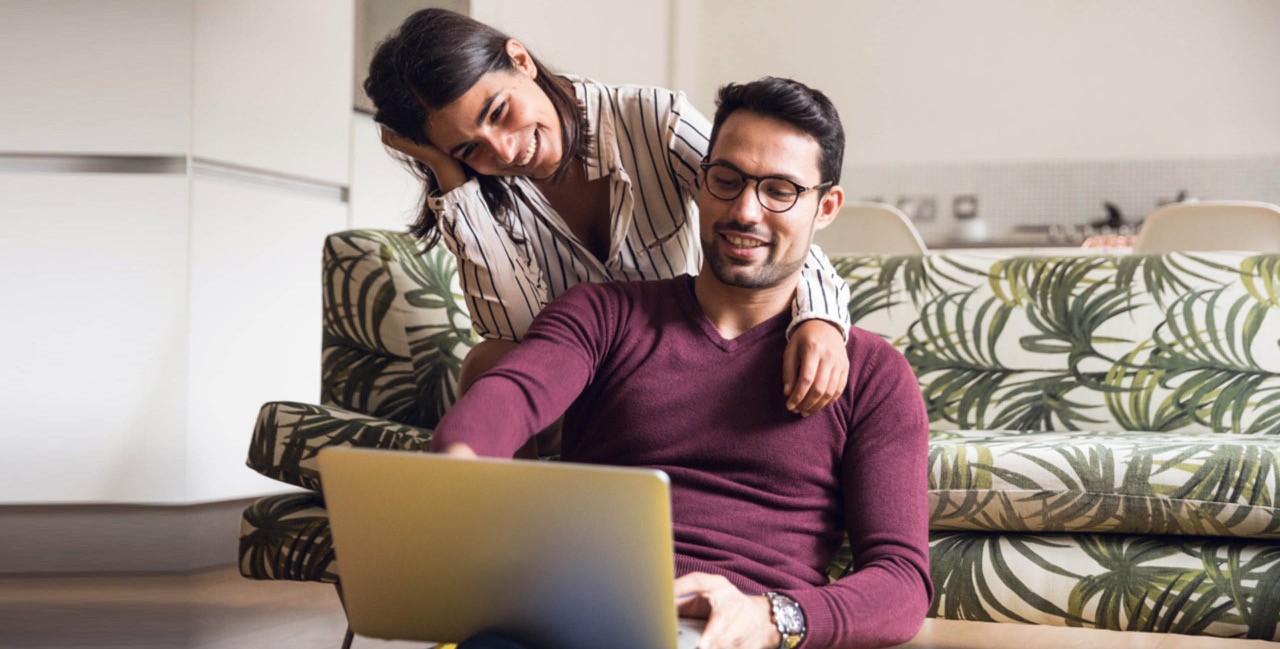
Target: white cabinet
{"type": "Point", "coordinates": [93, 273]}
{"type": "Point", "coordinates": [255, 321]}
{"type": "Point", "coordinates": [87, 76]}
{"type": "Point", "coordinates": [273, 86]}
{"type": "Point", "coordinates": [384, 194]}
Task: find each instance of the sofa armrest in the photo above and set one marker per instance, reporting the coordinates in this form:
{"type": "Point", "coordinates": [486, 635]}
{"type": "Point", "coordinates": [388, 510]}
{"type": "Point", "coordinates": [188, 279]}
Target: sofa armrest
{"type": "Point", "coordinates": [289, 435]}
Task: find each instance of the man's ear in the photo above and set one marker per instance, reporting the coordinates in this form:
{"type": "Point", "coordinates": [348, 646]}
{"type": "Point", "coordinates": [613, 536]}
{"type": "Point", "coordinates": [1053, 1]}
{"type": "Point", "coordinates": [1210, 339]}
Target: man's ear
{"type": "Point", "coordinates": [521, 59]}
{"type": "Point", "coordinates": [828, 207]}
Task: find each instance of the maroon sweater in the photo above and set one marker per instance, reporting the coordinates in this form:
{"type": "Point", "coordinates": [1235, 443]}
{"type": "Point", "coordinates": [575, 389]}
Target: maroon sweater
{"type": "Point", "coordinates": [759, 495]}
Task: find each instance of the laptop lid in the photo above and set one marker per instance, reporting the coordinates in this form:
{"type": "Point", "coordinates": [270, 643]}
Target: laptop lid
{"type": "Point", "coordinates": [554, 554]}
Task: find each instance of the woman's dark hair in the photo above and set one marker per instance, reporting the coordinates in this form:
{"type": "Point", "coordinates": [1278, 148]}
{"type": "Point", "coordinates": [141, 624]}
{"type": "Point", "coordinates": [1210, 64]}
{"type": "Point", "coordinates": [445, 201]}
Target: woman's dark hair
{"type": "Point", "coordinates": [434, 58]}
{"type": "Point", "coordinates": [789, 101]}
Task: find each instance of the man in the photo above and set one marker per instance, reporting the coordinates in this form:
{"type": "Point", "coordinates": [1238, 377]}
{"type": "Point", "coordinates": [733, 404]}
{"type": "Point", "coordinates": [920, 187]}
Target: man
{"type": "Point", "coordinates": [683, 375]}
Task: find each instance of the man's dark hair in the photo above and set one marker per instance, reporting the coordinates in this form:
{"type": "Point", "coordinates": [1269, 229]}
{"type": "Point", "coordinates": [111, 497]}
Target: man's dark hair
{"type": "Point", "coordinates": [789, 101]}
{"type": "Point", "coordinates": [434, 58]}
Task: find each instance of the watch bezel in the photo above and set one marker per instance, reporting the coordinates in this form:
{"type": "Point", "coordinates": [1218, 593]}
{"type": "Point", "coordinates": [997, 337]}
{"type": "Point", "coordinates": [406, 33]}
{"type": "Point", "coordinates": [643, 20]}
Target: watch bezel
{"type": "Point", "coordinates": [788, 618]}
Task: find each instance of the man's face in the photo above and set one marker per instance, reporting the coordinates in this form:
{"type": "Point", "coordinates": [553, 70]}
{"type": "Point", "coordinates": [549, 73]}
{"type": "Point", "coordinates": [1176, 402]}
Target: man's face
{"type": "Point", "coordinates": [746, 245]}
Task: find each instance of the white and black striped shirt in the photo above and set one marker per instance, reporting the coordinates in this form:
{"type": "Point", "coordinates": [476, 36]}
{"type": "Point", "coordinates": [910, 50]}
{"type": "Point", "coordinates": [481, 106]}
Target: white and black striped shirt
{"type": "Point", "coordinates": [649, 142]}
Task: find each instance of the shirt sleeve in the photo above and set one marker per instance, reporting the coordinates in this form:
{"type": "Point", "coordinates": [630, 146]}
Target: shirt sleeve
{"type": "Point", "coordinates": [687, 143]}
{"type": "Point", "coordinates": [539, 379]}
{"type": "Point", "coordinates": [501, 281]}
{"type": "Point", "coordinates": [822, 294]}
{"type": "Point", "coordinates": [884, 481]}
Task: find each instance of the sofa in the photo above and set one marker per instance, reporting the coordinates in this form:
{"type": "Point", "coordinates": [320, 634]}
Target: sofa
{"type": "Point", "coordinates": [1105, 445]}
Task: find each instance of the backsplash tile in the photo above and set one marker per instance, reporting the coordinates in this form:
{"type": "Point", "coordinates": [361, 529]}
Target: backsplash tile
{"type": "Point", "coordinates": [1060, 193]}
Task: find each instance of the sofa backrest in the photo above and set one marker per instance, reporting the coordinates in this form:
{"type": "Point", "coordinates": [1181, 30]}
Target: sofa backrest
{"type": "Point", "coordinates": [1175, 342]}
{"type": "Point", "coordinates": [395, 327]}
{"type": "Point", "coordinates": [1181, 341]}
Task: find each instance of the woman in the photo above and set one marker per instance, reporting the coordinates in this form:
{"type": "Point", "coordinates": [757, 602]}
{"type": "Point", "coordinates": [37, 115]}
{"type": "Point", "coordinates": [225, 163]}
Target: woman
{"type": "Point", "coordinates": [537, 181]}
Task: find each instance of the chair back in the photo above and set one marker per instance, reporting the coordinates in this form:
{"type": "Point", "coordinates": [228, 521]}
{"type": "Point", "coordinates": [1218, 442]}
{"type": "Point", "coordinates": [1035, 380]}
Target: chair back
{"type": "Point", "coordinates": [396, 327]}
{"type": "Point", "coordinates": [870, 228]}
{"type": "Point", "coordinates": [1211, 225]}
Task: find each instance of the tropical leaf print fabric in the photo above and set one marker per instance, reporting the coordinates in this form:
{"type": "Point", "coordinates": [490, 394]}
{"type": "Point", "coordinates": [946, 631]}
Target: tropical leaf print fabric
{"type": "Point", "coordinates": [1106, 443]}
{"type": "Point", "coordinates": [1201, 586]}
{"type": "Point", "coordinates": [289, 436]}
{"type": "Point", "coordinates": [1176, 342]}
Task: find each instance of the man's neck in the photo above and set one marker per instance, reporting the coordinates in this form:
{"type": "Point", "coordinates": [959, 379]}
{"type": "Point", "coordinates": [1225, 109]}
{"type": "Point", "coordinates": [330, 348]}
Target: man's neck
{"type": "Point", "coordinates": [732, 310]}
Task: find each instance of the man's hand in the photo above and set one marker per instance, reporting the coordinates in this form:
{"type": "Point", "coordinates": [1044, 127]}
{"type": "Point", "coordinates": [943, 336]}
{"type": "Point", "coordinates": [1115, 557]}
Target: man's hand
{"type": "Point", "coordinates": [458, 449]}
{"type": "Point", "coordinates": [815, 367]}
{"type": "Point", "coordinates": [734, 620]}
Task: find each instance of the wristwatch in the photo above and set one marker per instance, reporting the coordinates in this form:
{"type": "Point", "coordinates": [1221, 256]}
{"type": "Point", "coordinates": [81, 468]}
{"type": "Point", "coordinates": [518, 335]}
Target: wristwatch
{"type": "Point", "coordinates": [789, 618]}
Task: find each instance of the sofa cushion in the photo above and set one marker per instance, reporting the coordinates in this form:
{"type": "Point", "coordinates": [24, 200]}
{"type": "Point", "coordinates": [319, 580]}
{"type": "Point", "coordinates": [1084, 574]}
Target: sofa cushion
{"type": "Point", "coordinates": [289, 435]}
{"type": "Point", "coordinates": [1163, 584]}
{"type": "Point", "coordinates": [1177, 342]}
{"type": "Point", "coordinates": [287, 537]}
{"type": "Point", "coordinates": [1133, 482]}
{"type": "Point", "coordinates": [395, 327]}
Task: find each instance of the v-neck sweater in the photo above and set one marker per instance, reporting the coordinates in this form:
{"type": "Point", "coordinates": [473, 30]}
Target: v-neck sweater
{"type": "Point", "coordinates": [759, 495]}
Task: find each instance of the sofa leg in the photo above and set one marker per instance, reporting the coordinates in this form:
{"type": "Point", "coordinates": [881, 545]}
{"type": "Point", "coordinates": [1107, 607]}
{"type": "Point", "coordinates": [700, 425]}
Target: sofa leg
{"type": "Point", "coordinates": [350, 635]}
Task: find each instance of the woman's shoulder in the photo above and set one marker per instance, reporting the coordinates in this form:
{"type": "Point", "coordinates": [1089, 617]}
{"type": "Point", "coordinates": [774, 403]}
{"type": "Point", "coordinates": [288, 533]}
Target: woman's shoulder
{"type": "Point", "coordinates": [624, 94]}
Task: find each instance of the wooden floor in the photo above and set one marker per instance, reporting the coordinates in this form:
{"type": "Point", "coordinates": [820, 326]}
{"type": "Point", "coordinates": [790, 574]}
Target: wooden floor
{"type": "Point", "coordinates": [217, 609]}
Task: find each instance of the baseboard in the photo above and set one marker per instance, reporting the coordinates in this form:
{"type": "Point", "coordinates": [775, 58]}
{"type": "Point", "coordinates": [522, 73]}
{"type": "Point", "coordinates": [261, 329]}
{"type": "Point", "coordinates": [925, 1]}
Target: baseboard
{"type": "Point", "coordinates": [42, 539]}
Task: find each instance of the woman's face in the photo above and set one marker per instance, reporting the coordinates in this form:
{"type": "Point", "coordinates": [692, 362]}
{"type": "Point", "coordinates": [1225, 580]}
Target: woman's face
{"type": "Point", "coordinates": [505, 125]}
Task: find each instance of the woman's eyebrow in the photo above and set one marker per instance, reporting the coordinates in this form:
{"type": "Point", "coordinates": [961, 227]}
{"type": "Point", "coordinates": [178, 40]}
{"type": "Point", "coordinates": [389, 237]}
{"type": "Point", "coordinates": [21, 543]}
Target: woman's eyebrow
{"type": "Point", "coordinates": [488, 103]}
{"type": "Point", "coordinates": [484, 112]}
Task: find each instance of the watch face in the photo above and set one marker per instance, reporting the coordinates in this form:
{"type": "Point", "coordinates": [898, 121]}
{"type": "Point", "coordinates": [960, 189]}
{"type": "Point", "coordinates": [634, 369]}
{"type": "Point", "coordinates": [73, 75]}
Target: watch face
{"type": "Point", "coordinates": [789, 617]}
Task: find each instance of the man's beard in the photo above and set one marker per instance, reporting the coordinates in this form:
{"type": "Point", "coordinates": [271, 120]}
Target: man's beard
{"type": "Point", "coordinates": [766, 275]}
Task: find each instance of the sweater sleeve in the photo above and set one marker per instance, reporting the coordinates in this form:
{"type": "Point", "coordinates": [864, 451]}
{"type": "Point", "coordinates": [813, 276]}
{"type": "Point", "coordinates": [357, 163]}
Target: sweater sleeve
{"type": "Point", "coordinates": [884, 481]}
{"type": "Point", "coordinates": [502, 282]}
{"type": "Point", "coordinates": [534, 384]}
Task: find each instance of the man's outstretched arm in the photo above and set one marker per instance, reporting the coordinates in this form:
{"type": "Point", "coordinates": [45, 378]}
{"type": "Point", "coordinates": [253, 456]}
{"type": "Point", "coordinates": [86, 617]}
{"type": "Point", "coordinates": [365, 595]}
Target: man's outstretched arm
{"type": "Point", "coordinates": [534, 384]}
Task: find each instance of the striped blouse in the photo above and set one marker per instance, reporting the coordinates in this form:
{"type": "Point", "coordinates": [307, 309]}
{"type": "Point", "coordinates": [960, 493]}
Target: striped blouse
{"type": "Point", "coordinates": [649, 142]}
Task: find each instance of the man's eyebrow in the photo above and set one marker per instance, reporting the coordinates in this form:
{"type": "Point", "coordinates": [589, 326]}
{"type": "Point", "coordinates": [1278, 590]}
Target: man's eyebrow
{"type": "Point", "coordinates": [484, 112]}
{"type": "Point", "coordinates": [722, 161]}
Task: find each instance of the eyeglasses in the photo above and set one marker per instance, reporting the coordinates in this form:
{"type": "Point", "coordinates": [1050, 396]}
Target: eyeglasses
{"type": "Point", "coordinates": [775, 193]}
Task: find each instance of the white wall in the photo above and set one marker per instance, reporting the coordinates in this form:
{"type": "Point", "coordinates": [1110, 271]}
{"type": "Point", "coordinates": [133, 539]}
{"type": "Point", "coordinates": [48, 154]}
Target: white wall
{"type": "Point", "coordinates": [87, 77]}
{"type": "Point", "coordinates": [264, 91]}
{"type": "Point", "coordinates": [155, 308]}
{"type": "Point", "coordinates": [614, 42]}
{"type": "Point", "coordinates": [93, 275]}
{"type": "Point", "coordinates": [255, 321]}
{"type": "Point", "coordinates": [1007, 80]}
{"type": "Point", "coordinates": [384, 195]}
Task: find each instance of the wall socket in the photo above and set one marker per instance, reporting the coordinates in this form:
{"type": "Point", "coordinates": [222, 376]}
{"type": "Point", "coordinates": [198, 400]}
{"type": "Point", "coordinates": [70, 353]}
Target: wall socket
{"type": "Point", "coordinates": [919, 207]}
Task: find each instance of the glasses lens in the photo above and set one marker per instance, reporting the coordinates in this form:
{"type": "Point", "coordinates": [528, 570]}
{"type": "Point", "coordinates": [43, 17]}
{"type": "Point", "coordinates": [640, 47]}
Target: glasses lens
{"type": "Point", "coordinates": [777, 194]}
{"type": "Point", "coordinates": [724, 183]}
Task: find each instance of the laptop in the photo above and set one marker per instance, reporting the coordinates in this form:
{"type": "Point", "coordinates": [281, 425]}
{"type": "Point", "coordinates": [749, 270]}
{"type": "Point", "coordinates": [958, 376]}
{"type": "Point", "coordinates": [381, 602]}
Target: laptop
{"type": "Point", "coordinates": [554, 555]}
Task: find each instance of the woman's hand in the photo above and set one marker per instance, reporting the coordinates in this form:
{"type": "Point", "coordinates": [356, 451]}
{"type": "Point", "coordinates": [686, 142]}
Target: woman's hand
{"type": "Point", "coordinates": [815, 367]}
{"type": "Point", "coordinates": [734, 620]}
{"type": "Point", "coordinates": [447, 170]}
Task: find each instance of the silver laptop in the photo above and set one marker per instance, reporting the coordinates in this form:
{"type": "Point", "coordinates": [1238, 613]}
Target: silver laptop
{"type": "Point", "coordinates": [554, 555]}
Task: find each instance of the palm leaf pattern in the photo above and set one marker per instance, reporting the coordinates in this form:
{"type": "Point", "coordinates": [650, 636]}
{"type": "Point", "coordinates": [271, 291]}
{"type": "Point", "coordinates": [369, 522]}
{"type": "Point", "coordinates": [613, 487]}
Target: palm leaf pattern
{"type": "Point", "coordinates": [1107, 443]}
{"type": "Point", "coordinates": [1222, 587]}
{"type": "Point", "coordinates": [287, 537]}
{"type": "Point", "coordinates": [289, 436]}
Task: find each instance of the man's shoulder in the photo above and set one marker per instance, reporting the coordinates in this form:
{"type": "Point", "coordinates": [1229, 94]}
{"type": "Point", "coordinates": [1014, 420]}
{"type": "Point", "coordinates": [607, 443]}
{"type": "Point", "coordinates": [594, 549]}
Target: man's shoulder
{"type": "Point", "coordinates": [866, 348]}
{"type": "Point", "coordinates": [633, 292]}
